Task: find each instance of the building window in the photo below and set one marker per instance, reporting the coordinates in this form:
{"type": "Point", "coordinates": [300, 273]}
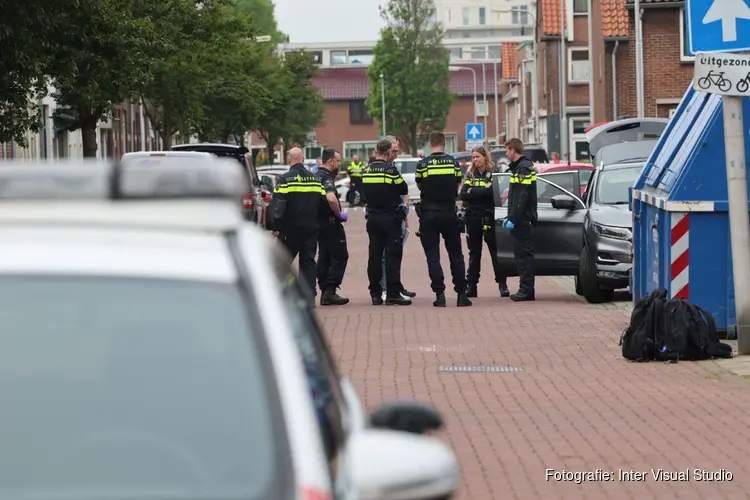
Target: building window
{"type": "Point", "coordinates": [579, 67]}
{"type": "Point", "coordinates": [361, 57]}
{"type": "Point", "coordinates": [684, 49]}
{"type": "Point", "coordinates": [465, 34]}
{"type": "Point", "coordinates": [520, 14]}
{"type": "Point", "coordinates": [465, 16]}
{"type": "Point", "coordinates": [579, 146]}
{"type": "Point", "coordinates": [361, 149]}
{"type": "Point", "coordinates": [338, 57]}
{"type": "Point", "coordinates": [580, 7]}
{"type": "Point", "coordinates": [482, 14]}
{"type": "Point", "coordinates": [477, 53]}
{"type": "Point", "coordinates": [317, 56]}
{"type": "Point", "coordinates": [358, 114]}
{"type": "Point", "coordinates": [481, 108]}
{"type": "Point", "coordinates": [493, 51]}
{"type": "Point", "coordinates": [456, 53]}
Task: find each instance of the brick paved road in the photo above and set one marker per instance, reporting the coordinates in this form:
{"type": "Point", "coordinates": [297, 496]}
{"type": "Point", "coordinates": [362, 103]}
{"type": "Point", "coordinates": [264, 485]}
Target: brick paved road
{"type": "Point", "coordinates": [577, 405]}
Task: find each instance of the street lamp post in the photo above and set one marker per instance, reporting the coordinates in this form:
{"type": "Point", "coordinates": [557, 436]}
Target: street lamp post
{"type": "Point", "coordinates": [474, 75]}
{"type": "Point", "coordinates": [382, 101]}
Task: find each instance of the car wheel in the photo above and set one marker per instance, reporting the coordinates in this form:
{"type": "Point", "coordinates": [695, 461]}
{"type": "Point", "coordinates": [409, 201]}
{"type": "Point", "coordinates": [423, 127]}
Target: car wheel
{"type": "Point", "coordinates": [577, 282]}
{"type": "Point", "coordinates": [350, 197]}
{"type": "Point", "coordinates": [592, 292]}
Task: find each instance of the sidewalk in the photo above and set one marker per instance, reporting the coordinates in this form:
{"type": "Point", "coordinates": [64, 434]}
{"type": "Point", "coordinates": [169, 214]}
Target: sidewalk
{"type": "Point", "coordinates": [564, 398]}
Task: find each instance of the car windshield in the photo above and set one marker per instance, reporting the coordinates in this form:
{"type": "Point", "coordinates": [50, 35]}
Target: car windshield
{"type": "Point", "coordinates": [614, 184]}
{"type": "Point", "coordinates": [132, 389]}
{"type": "Point", "coordinates": [407, 166]}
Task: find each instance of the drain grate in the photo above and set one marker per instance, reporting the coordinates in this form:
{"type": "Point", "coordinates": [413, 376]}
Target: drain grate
{"type": "Point", "coordinates": [478, 369]}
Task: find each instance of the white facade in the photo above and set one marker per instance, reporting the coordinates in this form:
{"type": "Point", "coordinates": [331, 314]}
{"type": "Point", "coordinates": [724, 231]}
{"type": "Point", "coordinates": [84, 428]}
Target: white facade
{"type": "Point", "coordinates": [474, 19]}
{"type": "Point", "coordinates": [343, 54]}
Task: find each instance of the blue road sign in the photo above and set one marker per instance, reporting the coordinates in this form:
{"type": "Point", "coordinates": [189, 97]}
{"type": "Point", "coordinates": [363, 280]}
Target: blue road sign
{"type": "Point", "coordinates": [474, 131]}
{"type": "Point", "coordinates": [718, 26]}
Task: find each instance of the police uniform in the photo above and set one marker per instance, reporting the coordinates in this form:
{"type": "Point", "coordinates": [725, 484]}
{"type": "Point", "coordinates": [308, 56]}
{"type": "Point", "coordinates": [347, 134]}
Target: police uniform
{"type": "Point", "coordinates": [332, 250]}
{"type": "Point", "coordinates": [355, 171]}
{"type": "Point", "coordinates": [295, 213]}
{"type": "Point", "coordinates": [438, 177]}
{"type": "Point", "coordinates": [522, 213]}
{"type": "Point", "coordinates": [383, 187]}
{"type": "Point", "coordinates": [476, 192]}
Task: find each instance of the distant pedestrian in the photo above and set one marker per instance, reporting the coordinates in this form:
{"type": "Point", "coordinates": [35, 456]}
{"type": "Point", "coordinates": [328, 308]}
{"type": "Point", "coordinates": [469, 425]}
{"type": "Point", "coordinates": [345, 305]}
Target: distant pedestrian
{"type": "Point", "coordinates": [555, 158]}
{"type": "Point", "coordinates": [355, 170]}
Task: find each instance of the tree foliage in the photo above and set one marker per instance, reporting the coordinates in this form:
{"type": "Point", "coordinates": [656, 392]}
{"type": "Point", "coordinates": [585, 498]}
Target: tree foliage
{"type": "Point", "coordinates": [415, 69]}
{"type": "Point", "coordinates": [295, 104]}
{"type": "Point", "coordinates": [196, 65]}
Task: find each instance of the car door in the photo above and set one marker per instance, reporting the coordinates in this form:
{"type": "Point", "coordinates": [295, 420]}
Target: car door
{"type": "Point", "coordinates": [340, 413]}
{"type": "Point", "coordinates": [255, 187]}
{"type": "Point", "coordinates": [558, 234]}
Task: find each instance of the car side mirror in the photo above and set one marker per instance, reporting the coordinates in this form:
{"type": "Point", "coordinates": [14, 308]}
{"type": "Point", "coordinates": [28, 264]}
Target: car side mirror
{"type": "Point", "coordinates": [409, 417]}
{"type": "Point", "coordinates": [390, 465]}
{"type": "Point", "coordinates": [563, 202]}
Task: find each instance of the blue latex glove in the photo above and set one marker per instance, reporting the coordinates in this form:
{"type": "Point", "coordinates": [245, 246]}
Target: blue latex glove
{"type": "Point", "coordinates": [508, 224]}
{"type": "Point", "coordinates": [343, 216]}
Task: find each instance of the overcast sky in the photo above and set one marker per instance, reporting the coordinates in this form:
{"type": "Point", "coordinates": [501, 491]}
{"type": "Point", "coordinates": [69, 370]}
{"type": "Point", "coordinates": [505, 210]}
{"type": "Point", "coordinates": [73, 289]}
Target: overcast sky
{"type": "Point", "coordinates": [329, 20]}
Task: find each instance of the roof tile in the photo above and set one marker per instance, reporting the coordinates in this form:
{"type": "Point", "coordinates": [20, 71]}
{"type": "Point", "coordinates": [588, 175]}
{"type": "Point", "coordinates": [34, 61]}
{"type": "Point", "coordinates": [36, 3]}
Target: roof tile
{"type": "Point", "coordinates": [552, 17]}
{"type": "Point", "coordinates": [340, 84]}
{"type": "Point", "coordinates": [614, 18]}
{"type": "Point", "coordinates": [509, 55]}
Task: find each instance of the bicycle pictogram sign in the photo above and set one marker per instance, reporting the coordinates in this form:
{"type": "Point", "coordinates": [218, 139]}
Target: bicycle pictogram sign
{"type": "Point", "coordinates": [716, 78]}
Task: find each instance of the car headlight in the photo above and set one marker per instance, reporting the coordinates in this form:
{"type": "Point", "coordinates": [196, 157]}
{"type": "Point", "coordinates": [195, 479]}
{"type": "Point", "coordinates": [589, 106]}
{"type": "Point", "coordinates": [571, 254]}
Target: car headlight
{"type": "Point", "coordinates": [618, 233]}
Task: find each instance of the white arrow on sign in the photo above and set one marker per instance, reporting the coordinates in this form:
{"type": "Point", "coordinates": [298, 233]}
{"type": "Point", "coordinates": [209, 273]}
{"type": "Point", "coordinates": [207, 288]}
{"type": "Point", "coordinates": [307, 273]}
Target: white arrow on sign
{"type": "Point", "coordinates": [473, 131]}
{"type": "Point", "coordinates": [727, 11]}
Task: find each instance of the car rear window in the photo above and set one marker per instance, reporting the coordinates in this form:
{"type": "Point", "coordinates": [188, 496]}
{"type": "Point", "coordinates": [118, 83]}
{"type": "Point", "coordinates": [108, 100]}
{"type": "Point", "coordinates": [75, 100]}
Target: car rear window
{"type": "Point", "coordinates": [407, 167]}
{"type": "Point", "coordinates": [134, 388]}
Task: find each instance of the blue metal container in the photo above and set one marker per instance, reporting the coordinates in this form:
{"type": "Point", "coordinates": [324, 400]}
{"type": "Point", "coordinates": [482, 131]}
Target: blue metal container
{"type": "Point", "coordinates": [680, 211]}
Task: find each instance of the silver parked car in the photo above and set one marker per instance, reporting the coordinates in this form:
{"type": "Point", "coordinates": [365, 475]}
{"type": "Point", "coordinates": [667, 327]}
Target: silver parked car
{"type": "Point", "coordinates": [586, 236]}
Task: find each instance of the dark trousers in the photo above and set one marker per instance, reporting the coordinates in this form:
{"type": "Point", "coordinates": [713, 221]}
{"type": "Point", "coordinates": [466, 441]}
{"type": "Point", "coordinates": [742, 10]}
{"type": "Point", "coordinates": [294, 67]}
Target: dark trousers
{"type": "Point", "coordinates": [356, 185]}
{"type": "Point", "coordinates": [432, 225]}
{"type": "Point", "coordinates": [475, 233]}
{"type": "Point", "coordinates": [333, 256]}
{"type": "Point", "coordinates": [524, 253]}
{"type": "Point", "coordinates": [303, 243]}
{"type": "Point", "coordinates": [384, 230]}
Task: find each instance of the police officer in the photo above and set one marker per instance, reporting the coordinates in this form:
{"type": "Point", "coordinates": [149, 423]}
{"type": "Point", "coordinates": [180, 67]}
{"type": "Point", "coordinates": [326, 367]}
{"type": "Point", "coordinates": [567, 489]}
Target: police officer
{"type": "Point", "coordinates": [522, 214]}
{"type": "Point", "coordinates": [479, 199]}
{"type": "Point", "coordinates": [295, 213]}
{"type": "Point", "coordinates": [332, 251]}
{"type": "Point", "coordinates": [355, 171]}
{"type": "Point", "coordinates": [383, 188]}
{"type": "Point", "coordinates": [438, 177]}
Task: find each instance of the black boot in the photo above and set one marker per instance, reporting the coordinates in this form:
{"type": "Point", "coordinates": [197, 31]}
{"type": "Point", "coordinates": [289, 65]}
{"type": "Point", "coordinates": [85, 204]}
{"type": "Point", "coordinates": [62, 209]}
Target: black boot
{"type": "Point", "coordinates": [331, 298]}
{"type": "Point", "coordinates": [463, 300]}
{"type": "Point", "coordinates": [471, 291]}
{"type": "Point", "coordinates": [407, 293]}
{"type": "Point", "coordinates": [504, 292]}
{"type": "Point", "coordinates": [522, 296]}
{"type": "Point", "coordinates": [397, 301]}
{"type": "Point", "coordinates": [439, 299]}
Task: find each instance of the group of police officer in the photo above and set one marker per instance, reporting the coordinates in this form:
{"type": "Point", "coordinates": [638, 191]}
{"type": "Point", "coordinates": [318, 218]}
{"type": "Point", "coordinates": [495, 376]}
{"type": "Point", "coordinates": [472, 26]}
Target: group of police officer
{"type": "Point", "coordinates": [306, 214]}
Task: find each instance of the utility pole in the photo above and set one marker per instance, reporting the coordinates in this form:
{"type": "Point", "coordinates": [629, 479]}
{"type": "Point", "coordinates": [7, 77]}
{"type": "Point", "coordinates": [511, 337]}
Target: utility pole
{"type": "Point", "coordinates": [382, 101]}
{"type": "Point", "coordinates": [563, 81]}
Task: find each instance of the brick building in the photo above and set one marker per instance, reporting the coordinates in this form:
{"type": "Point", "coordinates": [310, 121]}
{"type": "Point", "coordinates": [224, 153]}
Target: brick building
{"type": "Point", "coordinates": [347, 126]}
{"type": "Point", "coordinates": [601, 78]}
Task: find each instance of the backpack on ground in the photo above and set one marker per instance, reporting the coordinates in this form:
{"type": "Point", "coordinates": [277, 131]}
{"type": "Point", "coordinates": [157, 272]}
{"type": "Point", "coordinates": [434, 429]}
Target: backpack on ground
{"type": "Point", "coordinates": [698, 327]}
{"type": "Point", "coordinates": [637, 340]}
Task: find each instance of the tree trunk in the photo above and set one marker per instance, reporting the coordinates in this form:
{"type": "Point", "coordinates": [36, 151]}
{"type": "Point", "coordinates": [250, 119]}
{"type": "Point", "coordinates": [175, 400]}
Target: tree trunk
{"type": "Point", "coordinates": [270, 145]}
{"type": "Point", "coordinates": [166, 139]}
{"type": "Point", "coordinates": [88, 136]}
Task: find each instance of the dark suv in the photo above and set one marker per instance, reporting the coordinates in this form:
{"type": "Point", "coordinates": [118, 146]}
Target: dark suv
{"type": "Point", "coordinates": [252, 202]}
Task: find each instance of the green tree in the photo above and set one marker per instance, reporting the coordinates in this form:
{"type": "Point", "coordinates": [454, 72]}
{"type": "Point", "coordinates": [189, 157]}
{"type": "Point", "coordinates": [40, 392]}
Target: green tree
{"type": "Point", "coordinates": [263, 17]}
{"type": "Point", "coordinates": [295, 104]}
{"type": "Point", "coordinates": [29, 32]}
{"type": "Point", "coordinates": [195, 39]}
{"type": "Point", "coordinates": [415, 69]}
{"type": "Point", "coordinates": [103, 59]}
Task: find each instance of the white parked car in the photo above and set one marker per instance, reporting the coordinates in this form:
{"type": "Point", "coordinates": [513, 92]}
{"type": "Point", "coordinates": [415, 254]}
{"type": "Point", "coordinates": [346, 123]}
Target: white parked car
{"type": "Point", "coordinates": [155, 344]}
{"type": "Point", "coordinates": [408, 168]}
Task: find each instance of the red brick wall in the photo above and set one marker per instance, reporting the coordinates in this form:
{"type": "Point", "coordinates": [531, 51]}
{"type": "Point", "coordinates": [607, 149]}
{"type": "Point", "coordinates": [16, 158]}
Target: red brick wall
{"type": "Point", "coordinates": [335, 128]}
{"type": "Point", "coordinates": [665, 75]}
{"type": "Point", "coordinates": [625, 89]}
